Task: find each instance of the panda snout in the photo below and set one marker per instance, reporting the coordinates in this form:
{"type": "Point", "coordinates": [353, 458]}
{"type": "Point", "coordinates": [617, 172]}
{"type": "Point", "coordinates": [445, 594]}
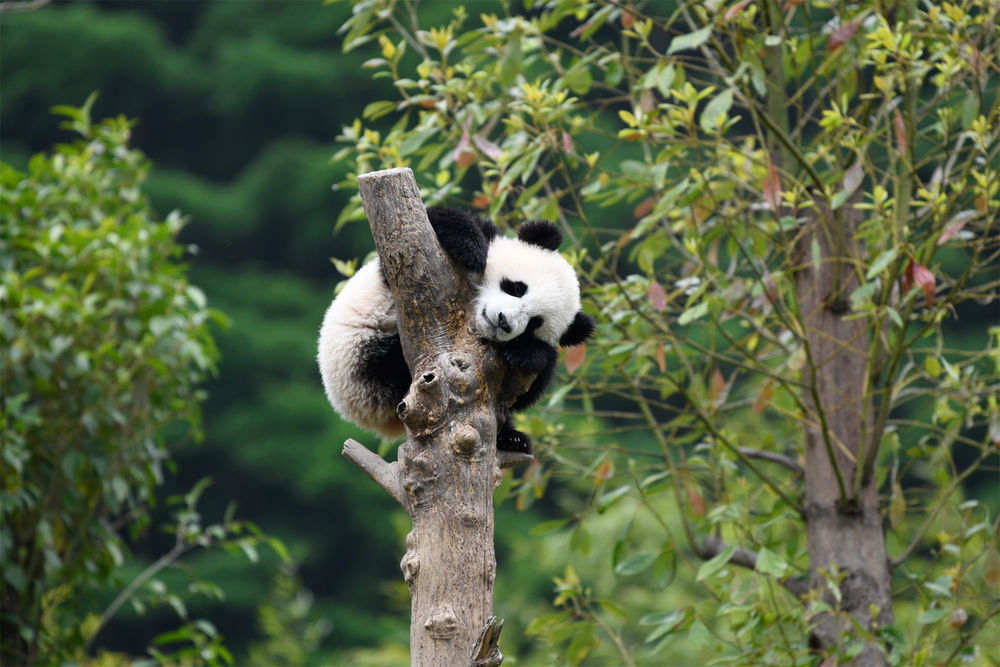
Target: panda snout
{"type": "Point", "coordinates": [495, 323]}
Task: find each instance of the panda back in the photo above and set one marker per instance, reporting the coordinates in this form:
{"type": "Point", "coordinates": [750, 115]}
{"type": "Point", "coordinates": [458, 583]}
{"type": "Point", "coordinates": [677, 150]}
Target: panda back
{"type": "Point", "coordinates": [360, 358]}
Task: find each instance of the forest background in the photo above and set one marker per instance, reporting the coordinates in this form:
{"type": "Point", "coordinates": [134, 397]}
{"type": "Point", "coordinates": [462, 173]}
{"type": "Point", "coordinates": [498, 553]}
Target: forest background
{"type": "Point", "coordinates": [238, 107]}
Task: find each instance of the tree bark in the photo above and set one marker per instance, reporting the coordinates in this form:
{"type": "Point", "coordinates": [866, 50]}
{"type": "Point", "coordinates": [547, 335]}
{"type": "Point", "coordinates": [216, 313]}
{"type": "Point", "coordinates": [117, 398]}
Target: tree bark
{"type": "Point", "coordinates": [844, 530]}
{"type": "Point", "coordinates": [447, 469]}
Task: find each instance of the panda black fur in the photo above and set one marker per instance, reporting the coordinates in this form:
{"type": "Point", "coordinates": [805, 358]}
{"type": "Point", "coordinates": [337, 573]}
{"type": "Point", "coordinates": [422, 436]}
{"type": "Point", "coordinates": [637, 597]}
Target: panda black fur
{"type": "Point", "coordinates": [527, 304]}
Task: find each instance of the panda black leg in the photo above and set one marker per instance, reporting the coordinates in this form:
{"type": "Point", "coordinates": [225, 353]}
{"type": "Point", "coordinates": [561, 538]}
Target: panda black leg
{"type": "Point", "coordinates": [509, 439]}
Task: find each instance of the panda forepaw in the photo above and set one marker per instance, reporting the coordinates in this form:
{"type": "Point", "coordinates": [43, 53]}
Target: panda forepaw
{"type": "Point", "coordinates": [461, 235]}
{"type": "Point", "coordinates": [512, 440]}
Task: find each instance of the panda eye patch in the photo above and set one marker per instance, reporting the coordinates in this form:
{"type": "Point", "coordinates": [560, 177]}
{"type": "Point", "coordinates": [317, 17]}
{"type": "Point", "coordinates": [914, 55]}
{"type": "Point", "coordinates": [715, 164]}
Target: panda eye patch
{"type": "Point", "coordinates": [513, 287]}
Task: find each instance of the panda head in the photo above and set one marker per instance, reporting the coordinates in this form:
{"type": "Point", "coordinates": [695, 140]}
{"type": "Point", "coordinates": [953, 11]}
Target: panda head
{"type": "Point", "coordinates": [529, 287]}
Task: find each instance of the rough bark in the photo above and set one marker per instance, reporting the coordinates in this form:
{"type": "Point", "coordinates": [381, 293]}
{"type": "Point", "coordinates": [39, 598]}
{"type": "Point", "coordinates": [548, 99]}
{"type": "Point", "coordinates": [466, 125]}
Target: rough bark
{"type": "Point", "coordinates": [844, 529]}
{"type": "Point", "coordinates": [447, 469]}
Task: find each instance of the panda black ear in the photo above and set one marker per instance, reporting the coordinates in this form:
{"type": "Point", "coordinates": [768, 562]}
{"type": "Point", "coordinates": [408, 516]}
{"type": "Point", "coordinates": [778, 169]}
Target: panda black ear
{"type": "Point", "coordinates": [541, 233]}
{"type": "Point", "coordinates": [579, 330]}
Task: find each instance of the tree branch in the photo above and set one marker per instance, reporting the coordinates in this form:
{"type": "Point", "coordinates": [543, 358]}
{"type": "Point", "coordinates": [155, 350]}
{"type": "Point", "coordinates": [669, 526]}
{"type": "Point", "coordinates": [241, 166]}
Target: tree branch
{"type": "Point", "coordinates": [713, 546]}
{"type": "Point", "coordinates": [382, 472]}
{"type": "Point", "coordinates": [773, 457]}
{"type": "Point", "coordinates": [22, 7]}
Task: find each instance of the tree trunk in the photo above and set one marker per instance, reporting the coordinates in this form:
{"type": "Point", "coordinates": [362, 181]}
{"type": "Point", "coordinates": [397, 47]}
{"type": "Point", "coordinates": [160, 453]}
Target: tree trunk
{"type": "Point", "coordinates": [844, 528]}
{"type": "Point", "coordinates": [447, 469]}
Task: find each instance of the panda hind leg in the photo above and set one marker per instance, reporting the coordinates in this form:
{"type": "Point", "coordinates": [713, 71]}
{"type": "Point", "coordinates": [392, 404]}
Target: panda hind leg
{"type": "Point", "coordinates": [509, 439]}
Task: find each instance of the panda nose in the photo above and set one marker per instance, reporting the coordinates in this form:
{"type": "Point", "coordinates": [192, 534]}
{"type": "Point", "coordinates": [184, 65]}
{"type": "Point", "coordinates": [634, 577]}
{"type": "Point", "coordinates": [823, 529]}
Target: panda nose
{"type": "Point", "coordinates": [503, 323]}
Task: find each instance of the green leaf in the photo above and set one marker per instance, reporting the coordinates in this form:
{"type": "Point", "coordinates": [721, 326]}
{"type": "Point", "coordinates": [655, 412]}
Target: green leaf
{"type": "Point", "coordinates": [578, 78]}
{"type": "Point", "coordinates": [710, 567]}
{"type": "Point", "coordinates": [546, 622]}
{"type": "Point", "coordinates": [715, 112]}
{"type": "Point", "coordinates": [608, 499]}
{"type": "Point", "coordinates": [665, 79]}
{"type": "Point", "coordinates": [378, 109]}
{"type": "Point", "coordinates": [580, 540]}
{"type": "Point", "coordinates": [691, 314]}
{"type": "Point", "coordinates": [881, 262]}
{"type": "Point", "coordinates": [614, 73]}
{"type": "Point", "coordinates": [636, 563]}
{"type": "Point", "coordinates": [932, 616]}
{"type": "Point", "coordinates": [770, 563]}
{"type": "Point", "coordinates": [690, 41]}
{"type": "Point", "coordinates": [546, 527]}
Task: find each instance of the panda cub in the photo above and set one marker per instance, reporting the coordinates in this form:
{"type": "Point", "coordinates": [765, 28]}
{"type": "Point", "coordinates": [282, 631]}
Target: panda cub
{"type": "Point", "coordinates": [527, 304]}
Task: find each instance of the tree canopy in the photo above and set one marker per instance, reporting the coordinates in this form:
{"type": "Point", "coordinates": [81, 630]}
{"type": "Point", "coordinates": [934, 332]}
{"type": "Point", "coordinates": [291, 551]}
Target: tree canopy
{"type": "Point", "coordinates": [784, 213]}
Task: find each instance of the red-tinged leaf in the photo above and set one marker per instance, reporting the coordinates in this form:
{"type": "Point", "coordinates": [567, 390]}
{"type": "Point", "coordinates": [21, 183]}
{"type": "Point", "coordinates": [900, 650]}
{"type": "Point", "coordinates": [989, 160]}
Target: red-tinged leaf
{"type": "Point", "coordinates": [603, 472]}
{"type": "Point", "coordinates": [736, 9]}
{"type": "Point", "coordinates": [842, 34]}
{"type": "Point", "coordinates": [480, 201]}
{"type": "Point", "coordinates": [661, 357]}
{"type": "Point", "coordinates": [696, 502]}
{"type": "Point", "coordinates": [982, 204]}
{"type": "Point", "coordinates": [567, 142]}
{"type": "Point", "coordinates": [788, 4]}
{"type": "Point", "coordinates": [902, 142]}
{"type": "Point", "coordinates": [924, 279]}
{"type": "Point", "coordinates": [490, 149]}
{"type": "Point", "coordinates": [772, 188]}
{"type": "Point", "coordinates": [919, 276]}
{"type": "Point", "coordinates": [772, 293]}
{"type": "Point", "coordinates": [644, 207]}
{"type": "Point", "coordinates": [956, 226]}
{"type": "Point", "coordinates": [579, 30]}
{"type": "Point", "coordinates": [764, 397]}
{"type": "Point", "coordinates": [991, 566]}
{"type": "Point", "coordinates": [657, 296]}
{"type": "Point", "coordinates": [575, 356]}
{"type": "Point", "coordinates": [628, 17]}
{"type": "Point", "coordinates": [647, 100]}
{"type": "Point", "coordinates": [464, 155]}
{"type": "Point", "coordinates": [717, 388]}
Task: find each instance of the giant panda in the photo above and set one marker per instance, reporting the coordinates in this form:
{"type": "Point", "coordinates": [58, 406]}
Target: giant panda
{"type": "Point", "coordinates": [527, 304]}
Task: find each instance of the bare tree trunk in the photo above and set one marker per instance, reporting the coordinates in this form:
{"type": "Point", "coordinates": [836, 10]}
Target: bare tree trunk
{"type": "Point", "coordinates": [844, 527]}
{"type": "Point", "coordinates": [447, 470]}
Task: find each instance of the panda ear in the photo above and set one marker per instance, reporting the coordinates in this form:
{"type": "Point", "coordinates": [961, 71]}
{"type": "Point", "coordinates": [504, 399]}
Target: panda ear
{"type": "Point", "coordinates": [541, 233]}
{"type": "Point", "coordinates": [579, 330]}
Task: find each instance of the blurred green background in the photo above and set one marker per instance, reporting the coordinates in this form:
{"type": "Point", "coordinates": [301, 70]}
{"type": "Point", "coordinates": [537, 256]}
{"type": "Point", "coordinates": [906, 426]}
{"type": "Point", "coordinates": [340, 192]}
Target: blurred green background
{"type": "Point", "coordinates": [238, 105]}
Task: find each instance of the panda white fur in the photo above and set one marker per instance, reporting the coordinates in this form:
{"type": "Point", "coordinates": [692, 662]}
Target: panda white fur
{"type": "Point", "coordinates": [527, 304]}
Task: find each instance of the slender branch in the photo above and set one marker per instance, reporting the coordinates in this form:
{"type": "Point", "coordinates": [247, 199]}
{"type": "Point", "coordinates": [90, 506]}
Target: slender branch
{"type": "Point", "coordinates": [382, 472]}
{"type": "Point", "coordinates": [713, 546]}
{"type": "Point", "coordinates": [22, 7]}
{"type": "Point", "coordinates": [898, 560]}
{"type": "Point", "coordinates": [178, 550]}
{"type": "Point", "coordinates": [773, 457]}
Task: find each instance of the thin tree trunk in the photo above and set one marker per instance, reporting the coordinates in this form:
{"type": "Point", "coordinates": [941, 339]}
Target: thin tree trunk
{"type": "Point", "coordinates": [447, 469]}
{"type": "Point", "coordinates": [844, 531]}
